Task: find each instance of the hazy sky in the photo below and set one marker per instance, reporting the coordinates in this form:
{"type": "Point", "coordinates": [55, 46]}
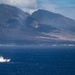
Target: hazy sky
{"type": "Point", "coordinates": [64, 7]}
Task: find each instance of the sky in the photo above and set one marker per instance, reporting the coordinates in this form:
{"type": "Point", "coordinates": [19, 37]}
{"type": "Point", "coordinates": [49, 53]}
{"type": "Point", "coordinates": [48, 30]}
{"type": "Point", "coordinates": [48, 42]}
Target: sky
{"type": "Point", "coordinates": [64, 7]}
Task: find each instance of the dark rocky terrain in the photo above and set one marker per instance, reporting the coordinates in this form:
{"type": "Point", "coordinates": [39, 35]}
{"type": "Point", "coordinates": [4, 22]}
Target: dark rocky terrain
{"type": "Point", "coordinates": [42, 27]}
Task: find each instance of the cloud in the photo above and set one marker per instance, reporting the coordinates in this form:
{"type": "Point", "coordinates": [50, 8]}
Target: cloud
{"type": "Point", "coordinates": [67, 11]}
{"type": "Point", "coordinates": [21, 3]}
{"type": "Point", "coordinates": [48, 5]}
{"type": "Point", "coordinates": [63, 7]}
{"type": "Point", "coordinates": [26, 5]}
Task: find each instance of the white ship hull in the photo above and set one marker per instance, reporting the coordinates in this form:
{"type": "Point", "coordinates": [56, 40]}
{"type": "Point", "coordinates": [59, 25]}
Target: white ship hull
{"type": "Point", "coordinates": [4, 60]}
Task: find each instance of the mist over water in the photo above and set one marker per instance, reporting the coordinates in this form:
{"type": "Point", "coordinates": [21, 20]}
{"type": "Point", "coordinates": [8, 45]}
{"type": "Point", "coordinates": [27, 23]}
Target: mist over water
{"type": "Point", "coordinates": [38, 61]}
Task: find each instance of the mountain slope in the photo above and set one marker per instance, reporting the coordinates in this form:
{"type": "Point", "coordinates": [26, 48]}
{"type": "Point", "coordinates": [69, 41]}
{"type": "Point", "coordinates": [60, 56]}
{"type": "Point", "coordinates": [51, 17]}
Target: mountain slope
{"type": "Point", "coordinates": [55, 20]}
{"type": "Point", "coordinates": [11, 16]}
{"type": "Point", "coordinates": [11, 20]}
{"type": "Point", "coordinates": [42, 27]}
{"type": "Point", "coordinates": [34, 25]}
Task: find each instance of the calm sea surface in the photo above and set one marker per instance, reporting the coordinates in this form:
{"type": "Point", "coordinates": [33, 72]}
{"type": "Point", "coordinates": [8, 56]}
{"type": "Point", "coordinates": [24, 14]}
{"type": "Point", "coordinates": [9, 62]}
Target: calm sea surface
{"type": "Point", "coordinates": [38, 61]}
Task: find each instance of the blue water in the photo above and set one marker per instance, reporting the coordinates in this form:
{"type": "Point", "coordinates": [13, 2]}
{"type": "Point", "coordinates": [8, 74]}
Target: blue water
{"type": "Point", "coordinates": [41, 61]}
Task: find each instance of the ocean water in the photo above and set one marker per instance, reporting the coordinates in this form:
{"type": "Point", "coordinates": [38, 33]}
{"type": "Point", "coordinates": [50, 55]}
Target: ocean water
{"type": "Point", "coordinates": [38, 61]}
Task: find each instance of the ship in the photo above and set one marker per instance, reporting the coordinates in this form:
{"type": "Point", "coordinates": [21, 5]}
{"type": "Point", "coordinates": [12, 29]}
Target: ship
{"type": "Point", "coordinates": [4, 60]}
